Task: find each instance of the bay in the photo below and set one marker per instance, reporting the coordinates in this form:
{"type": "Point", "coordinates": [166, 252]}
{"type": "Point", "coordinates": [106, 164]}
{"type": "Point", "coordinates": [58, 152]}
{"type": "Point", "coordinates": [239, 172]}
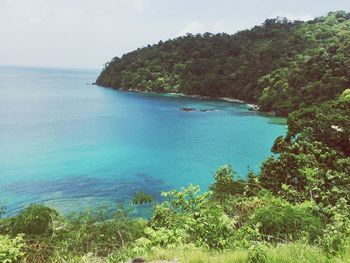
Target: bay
{"type": "Point", "coordinates": [68, 144]}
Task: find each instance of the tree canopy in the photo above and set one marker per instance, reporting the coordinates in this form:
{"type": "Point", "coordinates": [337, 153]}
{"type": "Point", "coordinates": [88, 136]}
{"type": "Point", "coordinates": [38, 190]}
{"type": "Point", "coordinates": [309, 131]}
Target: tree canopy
{"type": "Point", "coordinates": [281, 65]}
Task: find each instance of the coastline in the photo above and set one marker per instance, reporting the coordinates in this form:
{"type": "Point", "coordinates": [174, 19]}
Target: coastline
{"type": "Point", "coordinates": [252, 106]}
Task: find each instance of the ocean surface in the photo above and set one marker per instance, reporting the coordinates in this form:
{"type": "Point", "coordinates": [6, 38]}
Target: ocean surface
{"type": "Point", "coordinates": [69, 144]}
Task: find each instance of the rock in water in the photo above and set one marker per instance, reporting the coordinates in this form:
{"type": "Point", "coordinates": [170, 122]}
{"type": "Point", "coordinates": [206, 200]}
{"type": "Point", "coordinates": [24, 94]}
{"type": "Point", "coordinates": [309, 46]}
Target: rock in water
{"type": "Point", "coordinates": [186, 109]}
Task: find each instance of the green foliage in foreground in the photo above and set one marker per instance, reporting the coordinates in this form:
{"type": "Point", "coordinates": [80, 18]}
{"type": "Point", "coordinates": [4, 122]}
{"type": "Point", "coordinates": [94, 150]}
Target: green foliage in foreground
{"type": "Point", "coordinates": [281, 65]}
{"type": "Point", "coordinates": [191, 227]}
{"type": "Point", "coordinates": [287, 253]}
{"type": "Point", "coordinates": [314, 158]}
{"type": "Point", "coordinates": [296, 210]}
{"type": "Point", "coordinates": [11, 248]}
{"type": "Point", "coordinates": [34, 220]}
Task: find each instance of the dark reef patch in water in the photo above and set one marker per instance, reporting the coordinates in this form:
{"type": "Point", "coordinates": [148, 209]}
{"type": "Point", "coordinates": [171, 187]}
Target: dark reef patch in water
{"type": "Point", "coordinates": [87, 191]}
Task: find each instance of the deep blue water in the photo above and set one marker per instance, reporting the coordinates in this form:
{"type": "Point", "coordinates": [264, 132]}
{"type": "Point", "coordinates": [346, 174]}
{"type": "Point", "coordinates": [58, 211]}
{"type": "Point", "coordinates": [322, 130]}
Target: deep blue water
{"type": "Point", "coordinates": [68, 144]}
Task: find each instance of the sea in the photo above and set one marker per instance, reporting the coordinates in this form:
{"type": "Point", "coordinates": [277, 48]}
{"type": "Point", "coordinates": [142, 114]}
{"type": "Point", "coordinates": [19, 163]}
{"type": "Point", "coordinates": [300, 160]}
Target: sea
{"type": "Point", "coordinates": [69, 144]}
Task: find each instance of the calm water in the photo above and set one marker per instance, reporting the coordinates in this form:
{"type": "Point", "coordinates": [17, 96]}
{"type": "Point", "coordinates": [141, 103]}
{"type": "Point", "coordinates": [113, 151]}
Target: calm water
{"type": "Point", "coordinates": [68, 144]}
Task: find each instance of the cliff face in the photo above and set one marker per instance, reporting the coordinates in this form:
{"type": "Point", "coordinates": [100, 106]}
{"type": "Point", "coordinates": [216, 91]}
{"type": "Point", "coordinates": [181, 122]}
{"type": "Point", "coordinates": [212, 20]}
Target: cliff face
{"type": "Point", "coordinates": [281, 65]}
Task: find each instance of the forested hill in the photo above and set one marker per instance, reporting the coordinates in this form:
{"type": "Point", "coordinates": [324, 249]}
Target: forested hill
{"type": "Point", "coordinates": [280, 65]}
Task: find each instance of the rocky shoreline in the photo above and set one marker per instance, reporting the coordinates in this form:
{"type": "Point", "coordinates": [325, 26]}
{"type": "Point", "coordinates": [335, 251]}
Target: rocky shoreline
{"type": "Point", "coordinates": [187, 109]}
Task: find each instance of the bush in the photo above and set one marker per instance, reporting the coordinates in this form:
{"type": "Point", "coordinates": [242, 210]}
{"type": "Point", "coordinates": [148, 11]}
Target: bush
{"type": "Point", "coordinates": [186, 218]}
{"type": "Point", "coordinates": [225, 185]}
{"type": "Point", "coordinates": [95, 232]}
{"type": "Point", "coordinates": [257, 254]}
{"type": "Point", "coordinates": [34, 220]}
{"type": "Point", "coordinates": [11, 249]}
{"type": "Point", "coordinates": [267, 218]}
{"type": "Point", "coordinates": [337, 230]}
{"type": "Point", "coordinates": [281, 221]}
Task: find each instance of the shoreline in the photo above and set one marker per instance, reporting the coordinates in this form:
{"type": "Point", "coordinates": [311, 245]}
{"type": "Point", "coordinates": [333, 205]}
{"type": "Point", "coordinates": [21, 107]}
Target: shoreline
{"type": "Point", "coordinates": [252, 106]}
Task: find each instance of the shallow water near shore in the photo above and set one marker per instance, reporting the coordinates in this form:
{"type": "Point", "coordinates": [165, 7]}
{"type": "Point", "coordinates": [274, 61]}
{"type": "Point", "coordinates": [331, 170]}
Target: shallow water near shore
{"type": "Point", "coordinates": [69, 144]}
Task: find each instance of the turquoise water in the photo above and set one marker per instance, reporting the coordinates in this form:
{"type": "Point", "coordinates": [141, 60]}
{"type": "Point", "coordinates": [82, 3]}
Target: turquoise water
{"type": "Point", "coordinates": [68, 144]}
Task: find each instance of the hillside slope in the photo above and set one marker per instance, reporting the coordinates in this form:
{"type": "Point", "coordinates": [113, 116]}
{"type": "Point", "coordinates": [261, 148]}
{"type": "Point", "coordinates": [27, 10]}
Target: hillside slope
{"type": "Point", "coordinates": [280, 65]}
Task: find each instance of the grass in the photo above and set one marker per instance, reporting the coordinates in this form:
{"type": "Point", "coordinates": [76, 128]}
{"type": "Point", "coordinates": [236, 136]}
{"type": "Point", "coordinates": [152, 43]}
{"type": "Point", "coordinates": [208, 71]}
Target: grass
{"type": "Point", "coordinates": [198, 256]}
{"type": "Point", "coordinates": [286, 253]}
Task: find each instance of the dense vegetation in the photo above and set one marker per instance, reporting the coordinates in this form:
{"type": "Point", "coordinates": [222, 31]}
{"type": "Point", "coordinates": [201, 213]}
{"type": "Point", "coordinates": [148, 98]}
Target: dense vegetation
{"type": "Point", "coordinates": [281, 65]}
{"type": "Point", "coordinates": [295, 210]}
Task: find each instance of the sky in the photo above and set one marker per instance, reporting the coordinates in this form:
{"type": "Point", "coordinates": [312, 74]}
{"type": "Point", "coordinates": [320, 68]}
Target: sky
{"type": "Point", "coordinates": [88, 33]}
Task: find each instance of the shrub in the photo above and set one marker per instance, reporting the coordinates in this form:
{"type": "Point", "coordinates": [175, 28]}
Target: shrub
{"type": "Point", "coordinates": [346, 94]}
{"type": "Point", "coordinates": [281, 221]}
{"type": "Point", "coordinates": [187, 217]}
{"type": "Point", "coordinates": [11, 249]}
{"type": "Point", "coordinates": [269, 218]}
{"type": "Point", "coordinates": [34, 220]}
{"type": "Point", "coordinates": [257, 254]}
{"type": "Point", "coordinates": [225, 185]}
{"type": "Point", "coordinates": [93, 232]}
{"type": "Point", "coordinates": [337, 230]}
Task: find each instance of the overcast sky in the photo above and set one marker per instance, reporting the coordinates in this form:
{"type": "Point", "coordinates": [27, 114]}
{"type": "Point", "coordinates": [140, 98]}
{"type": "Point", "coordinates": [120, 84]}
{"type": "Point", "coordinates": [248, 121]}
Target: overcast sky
{"type": "Point", "coordinates": [88, 33]}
